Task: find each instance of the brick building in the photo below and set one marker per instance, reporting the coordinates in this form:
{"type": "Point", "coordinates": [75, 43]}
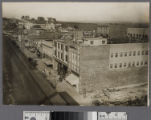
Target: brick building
{"type": "Point", "coordinates": [98, 67]}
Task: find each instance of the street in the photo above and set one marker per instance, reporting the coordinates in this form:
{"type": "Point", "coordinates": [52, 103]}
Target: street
{"type": "Point", "coordinates": [21, 83]}
{"type": "Point", "coordinates": [19, 86]}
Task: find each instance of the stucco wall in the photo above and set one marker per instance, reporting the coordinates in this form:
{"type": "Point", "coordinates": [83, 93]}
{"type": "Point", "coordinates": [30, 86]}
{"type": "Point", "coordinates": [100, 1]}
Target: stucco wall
{"type": "Point", "coordinates": [92, 59]}
{"type": "Point", "coordinates": [95, 73]}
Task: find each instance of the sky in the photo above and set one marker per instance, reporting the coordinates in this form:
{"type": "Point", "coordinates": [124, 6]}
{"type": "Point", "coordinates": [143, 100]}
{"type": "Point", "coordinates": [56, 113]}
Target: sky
{"type": "Point", "coordinates": [80, 11]}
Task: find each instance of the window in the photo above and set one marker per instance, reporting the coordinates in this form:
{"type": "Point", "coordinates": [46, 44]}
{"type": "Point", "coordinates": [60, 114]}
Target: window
{"type": "Point", "coordinates": [124, 64]}
{"type": "Point", "coordinates": [111, 66]}
{"type": "Point", "coordinates": [62, 56]}
{"type": "Point", "coordinates": [129, 64]}
{"type": "Point", "coordinates": [58, 45]}
{"type": "Point", "coordinates": [142, 63]}
{"type": "Point", "coordinates": [61, 46]}
{"type": "Point", "coordinates": [146, 52]}
{"type": "Point", "coordinates": [66, 58]}
{"type": "Point", "coordinates": [121, 54]}
{"type": "Point", "coordinates": [137, 64]}
{"type": "Point", "coordinates": [55, 53]}
{"type": "Point", "coordinates": [103, 42]}
{"type": "Point", "coordinates": [115, 65]}
{"type": "Point", "coordinates": [146, 62]}
{"type": "Point", "coordinates": [116, 54]}
{"type": "Point", "coordinates": [66, 47]}
{"type": "Point", "coordinates": [112, 55]}
{"type": "Point", "coordinates": [134, 53]}
{"type": "Point", "coordinates": [55, 44]}
{"type": "Point", "coordinates": [125, 54]}
{"type": "Point", "coordinates": [58, 54]}
{"type": "Point", "coordinates": [146, 37]}
{"type": "Point", "coordinates": [91, 42]}
{"type": "Point", "coordinates": [130, 53]}
{"type": "Point", "coordinates": [142, 52]}
{"type": "Point", "coordinates": [120, 65]}
{"type": "Point", "coordinates": [133, 64]}
{"type": "Point", "coordinates": [137, 36]}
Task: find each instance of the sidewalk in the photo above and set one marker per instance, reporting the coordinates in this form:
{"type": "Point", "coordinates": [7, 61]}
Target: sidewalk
{"type": "Point", "coordinates": [65, 87]}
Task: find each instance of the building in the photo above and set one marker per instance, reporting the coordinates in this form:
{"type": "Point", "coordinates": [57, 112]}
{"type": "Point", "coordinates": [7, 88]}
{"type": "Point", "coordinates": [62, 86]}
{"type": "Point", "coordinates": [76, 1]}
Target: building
{"type": "Point", "coordinates": [94, 68]}
{"type": "Point", "coordinates": [94, 41]}
{"type": "Point", "coordinates": [138, 34]}
{"type": "Point", "coordinates": [89, 34]}
{"type": "Point", "coordinates": [47, 48]}
{"type": "Point", "coordinates": [124, 56]}
{"type": "Point", "coordinates": [116, 33]}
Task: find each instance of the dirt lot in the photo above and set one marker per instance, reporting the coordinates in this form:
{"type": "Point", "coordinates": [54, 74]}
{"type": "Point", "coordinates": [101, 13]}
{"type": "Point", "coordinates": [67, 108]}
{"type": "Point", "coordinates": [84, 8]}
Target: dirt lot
{"type": "Point", "coordinates": [134, 95]}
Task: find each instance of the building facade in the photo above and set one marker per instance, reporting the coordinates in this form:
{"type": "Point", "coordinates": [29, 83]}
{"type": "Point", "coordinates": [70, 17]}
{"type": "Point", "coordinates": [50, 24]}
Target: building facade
{"type": "Point", "coordinates": [138, 34]}
{"type": "Point", "coordinates": [98, 67]}
{"type": "Point", "coordinates": [115, 33]}
{"type": "Point", "coordinates": [47, 48]}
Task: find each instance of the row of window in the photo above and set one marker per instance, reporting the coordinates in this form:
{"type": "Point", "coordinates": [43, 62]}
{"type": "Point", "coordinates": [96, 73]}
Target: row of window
{"type": "Point", "coordinates": [130, 53]}
{"type": "Point", "coordinates": [60, 46]}
{"type": "Point", "coordinates": [137, 35]}
{"type": "Point", "coordinates": [130, 64]}
{"type": "Point", "coordinates": [60, 55]}
{"type": "Point", "coordinates": [75, 68]}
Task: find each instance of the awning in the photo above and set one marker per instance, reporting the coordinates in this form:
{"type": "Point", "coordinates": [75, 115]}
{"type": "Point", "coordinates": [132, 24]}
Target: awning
{"type": "Point", "coordinates": [72, 79]}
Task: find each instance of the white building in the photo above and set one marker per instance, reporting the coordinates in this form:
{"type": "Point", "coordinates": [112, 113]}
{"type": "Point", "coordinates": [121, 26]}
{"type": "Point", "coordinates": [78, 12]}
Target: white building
{"type": "Point", "coordinates": [95, 41]}
{"type": "Point", "coordinates": [47, 48]}
{"type": "Point", "coordinates": [128, 55]}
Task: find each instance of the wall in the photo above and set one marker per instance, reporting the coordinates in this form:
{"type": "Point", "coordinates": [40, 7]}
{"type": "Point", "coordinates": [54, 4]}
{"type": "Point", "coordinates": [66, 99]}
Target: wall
{"type": "Point", "coordinates": [60, 52]}
{"type": "Point", "coordinates": [96, 75]}
{"type": "Point", "coordinates": [96, 41]}
{"type": "Point", "coordinates": [117, 33]}
{"type": "Point", "coordinates": [128, 55]}
{"type": "Point", "coordinates": [74, 59]}
{"type": "Point", "coordinates": [138, 34]}
{"type": "Point", "coordinates": [47, 48]}
{"type": "Point", "coordinates": [93, 61]}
